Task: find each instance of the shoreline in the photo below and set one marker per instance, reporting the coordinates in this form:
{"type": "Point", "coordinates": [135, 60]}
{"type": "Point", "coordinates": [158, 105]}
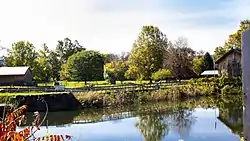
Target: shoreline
{"type": "Point", "coordinates": [116, 98]}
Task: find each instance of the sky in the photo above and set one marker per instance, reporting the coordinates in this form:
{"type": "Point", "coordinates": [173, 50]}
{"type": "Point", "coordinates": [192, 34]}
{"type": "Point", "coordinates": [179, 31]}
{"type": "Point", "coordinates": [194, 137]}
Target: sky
{"type": "Point", "coordinates": [111, 26]}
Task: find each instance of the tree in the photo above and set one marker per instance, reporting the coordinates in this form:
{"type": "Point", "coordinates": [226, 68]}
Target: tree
{"type": "Point", "coordinates": [43, 67]}
{"type": "Point", "coordinates": [66, 48]}
{"type": "Point", "coordinates": [64, 74]}
{"type": "Point", "coordinates": [234, 40]}
{"type": "Point", "coordinates": [220, 51]}
{"type": "Point", "coordinates": [110, 57]}
{"type": "Point", "coordinates": [198, 65]}
{"type": "Point", "coordinates": [208, 62]}
{"type": "Point", "coordinates": [161, 74]}
{"type": "Point", "coordinates": [147, 52]}
{"type": "Point", "coordinates": [178, 58]}
{"type": "Point", "coordinates": [55, 64]}
{"type": "Point", "coordinates": [115, 71]}
{"type": "Point", "coordinates": [132, 73]}
{"type": "Point", "coordinates": [23, 54]}
{"type": "Point", "coordinates": [85, 66]}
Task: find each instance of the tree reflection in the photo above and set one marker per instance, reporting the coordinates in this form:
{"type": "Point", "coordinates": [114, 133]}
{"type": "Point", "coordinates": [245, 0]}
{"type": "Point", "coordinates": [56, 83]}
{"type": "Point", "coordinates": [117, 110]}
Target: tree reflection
{"type": "Point", "coordinates": [182, 121]}
{"type": "Point", "coordinates": [153, 127]}
{"type": "Point", "coordinates": [231, 114]}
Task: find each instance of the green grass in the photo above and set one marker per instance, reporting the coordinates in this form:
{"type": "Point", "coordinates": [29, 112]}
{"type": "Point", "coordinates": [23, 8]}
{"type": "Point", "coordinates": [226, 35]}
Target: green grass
{"type": "Point", "coordinates": [74, 84]}
{"type": "Point", "coordinates": [30, 93]}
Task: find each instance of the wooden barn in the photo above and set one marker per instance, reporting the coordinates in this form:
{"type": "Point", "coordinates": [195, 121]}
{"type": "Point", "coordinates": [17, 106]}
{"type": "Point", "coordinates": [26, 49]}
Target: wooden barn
{"type": "Point", "coordinates": [230, 63]}
{"type": "Point", "coordinates": [15, 76]}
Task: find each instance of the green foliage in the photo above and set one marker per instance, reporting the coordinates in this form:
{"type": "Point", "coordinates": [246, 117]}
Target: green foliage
{"type": "Point", "coordinates": [161, 74]}
{"type": "Point", "coordinates": [22, 54]}
{"type": "Point", "coordinates": [234, 40]}
{"type": "Point", "coordinates": [115, 70]}
{"type": "Point", "coordinates": [64, 74]}
{"type": "Point", "coordinates": [202, 63]}
{"type": "Point", "coordinates": [193, 88]}
{"type": "Point", "coordinates": [230, 89]}
{"type": "Point", "coordinates": [65, 48]}
{"type": "Point", "coordinates": [147, 54]}
{"type": "Point", "coordinates": [55, 65]}
{"type": "Point", "coordinates": [132, 73]}
{"type": "Point", "coordinates": [43, 69]}
{"type": "Point", "coordinates": [85, 66]}
{"type": "Point", "coordinates": [208, 62]}
{"type": "Point", "coordinates": [198, 65]}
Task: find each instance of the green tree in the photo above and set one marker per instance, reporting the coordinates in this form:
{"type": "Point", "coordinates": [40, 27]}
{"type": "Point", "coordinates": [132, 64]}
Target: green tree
{"type": "Point", "coordinates": [208, 62]}
{"type": "Point", "coordinates": [161, 74]}
{"type": "Point", "coordinates": [55, 64]}
{"type": "Point", "coordinates": [147, 52]}
{"type": "Point", "coordinates": [234, 40]}
{"type": "Point", "coordinates": [64, 74]}
{"type": "Point", "coordinates": [65, 48]}
{"type": "Point", "coordinates": [198, 64]}
{"type": "Point", "coordinates": [220, 51]}
{"type": "Point", "coordinates": [132, 73]}
{"type": "Point", "coordinates": [23, 54]}
{"type": "Point", "coordinates": [85, 66]}
{"type": "Point", "coordinates": [43, 67]}
{"type": "Point", "coordinates": [115, 71]}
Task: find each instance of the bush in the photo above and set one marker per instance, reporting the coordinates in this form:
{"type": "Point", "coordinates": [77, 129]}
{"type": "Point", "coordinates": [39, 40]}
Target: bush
{"type": "Point", "coordinates": [161, 74]}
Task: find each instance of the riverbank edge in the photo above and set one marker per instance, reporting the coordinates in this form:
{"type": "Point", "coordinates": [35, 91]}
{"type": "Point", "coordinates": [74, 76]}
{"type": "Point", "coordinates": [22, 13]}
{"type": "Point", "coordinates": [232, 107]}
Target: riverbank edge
{"type": "Point", "coordinates": [100, 99]}
{"type": "Point", "coordinates": [201, 87]}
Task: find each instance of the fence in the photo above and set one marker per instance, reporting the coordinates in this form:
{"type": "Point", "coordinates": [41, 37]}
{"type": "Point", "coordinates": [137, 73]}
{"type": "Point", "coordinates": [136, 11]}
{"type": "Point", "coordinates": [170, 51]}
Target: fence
{"type": "Point", "coordinates": [127, 87]}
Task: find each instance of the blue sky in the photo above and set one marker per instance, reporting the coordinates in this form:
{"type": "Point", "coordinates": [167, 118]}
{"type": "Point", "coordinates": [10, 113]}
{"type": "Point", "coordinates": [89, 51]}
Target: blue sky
{"type": "Point", "coordinates": [113, 25]}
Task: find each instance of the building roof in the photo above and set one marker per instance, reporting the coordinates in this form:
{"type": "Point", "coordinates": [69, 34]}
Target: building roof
{"type": "Point", "coordinates": [229, 52]}
{"type": "Point", "coordinates": [210, 72]}
{"type": "Point", "coordinates": [13, 70]}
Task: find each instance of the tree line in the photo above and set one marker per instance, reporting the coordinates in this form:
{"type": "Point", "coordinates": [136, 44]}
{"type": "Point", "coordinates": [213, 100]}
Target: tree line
{"type": "Point", "coordinates": [153, 57]}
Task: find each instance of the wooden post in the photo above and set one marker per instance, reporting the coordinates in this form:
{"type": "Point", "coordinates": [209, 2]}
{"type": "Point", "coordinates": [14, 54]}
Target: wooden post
{"type": "Point", "coordinates": [245, 58]}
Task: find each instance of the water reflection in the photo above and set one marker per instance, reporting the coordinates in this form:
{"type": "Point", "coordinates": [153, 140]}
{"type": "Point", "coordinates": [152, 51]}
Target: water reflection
{"type": "Point", "coordinates": [170, 120]}
{"type": "Point", "coordinates": [231, 114]}
{"type": "Point", "coordinates": [182, 122]}
{"type": "Point", "coordinates": [153, 127]}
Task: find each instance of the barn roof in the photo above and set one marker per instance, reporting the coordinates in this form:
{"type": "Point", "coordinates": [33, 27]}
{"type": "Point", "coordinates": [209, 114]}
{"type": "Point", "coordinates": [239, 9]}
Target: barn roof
{"type": "Point", "coordinates": [13, 70]}
{"type": "Point", "coordinates": [210, 72]}
{"type": "Point", "coordinates": [229, 52]}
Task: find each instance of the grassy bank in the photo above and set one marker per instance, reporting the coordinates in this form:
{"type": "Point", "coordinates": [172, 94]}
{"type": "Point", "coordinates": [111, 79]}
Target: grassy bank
{"type": "Point", "coordinates": [77, 84]}
{"type": "Point", "coordinates": [193, 88]}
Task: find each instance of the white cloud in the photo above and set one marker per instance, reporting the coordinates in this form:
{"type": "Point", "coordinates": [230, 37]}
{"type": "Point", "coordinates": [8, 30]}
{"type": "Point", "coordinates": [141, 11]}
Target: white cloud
{"type": "Point", "coordinates": [95, 26]}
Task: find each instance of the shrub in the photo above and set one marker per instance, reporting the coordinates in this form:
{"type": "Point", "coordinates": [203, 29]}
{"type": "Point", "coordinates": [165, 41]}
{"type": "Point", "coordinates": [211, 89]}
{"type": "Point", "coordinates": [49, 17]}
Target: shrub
{"type": "Point", "coordinates": [13, 118]}
{"type": "Point", "coordinates": [161, 74]}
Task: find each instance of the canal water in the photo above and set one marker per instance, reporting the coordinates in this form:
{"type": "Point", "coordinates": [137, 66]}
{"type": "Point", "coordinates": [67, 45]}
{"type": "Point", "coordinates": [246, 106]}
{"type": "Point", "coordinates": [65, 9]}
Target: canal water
{"type": "Point", "coordinates": [203, 119]}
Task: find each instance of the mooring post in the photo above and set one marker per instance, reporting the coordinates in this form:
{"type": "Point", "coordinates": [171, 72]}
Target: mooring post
{"type": "Point", "coordinates": [245, 58]}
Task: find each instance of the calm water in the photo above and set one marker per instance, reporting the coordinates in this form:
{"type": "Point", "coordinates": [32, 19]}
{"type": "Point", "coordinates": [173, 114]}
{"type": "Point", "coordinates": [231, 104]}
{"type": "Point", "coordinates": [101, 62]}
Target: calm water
{"type": "Point", "coordinates": [193, 120]}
